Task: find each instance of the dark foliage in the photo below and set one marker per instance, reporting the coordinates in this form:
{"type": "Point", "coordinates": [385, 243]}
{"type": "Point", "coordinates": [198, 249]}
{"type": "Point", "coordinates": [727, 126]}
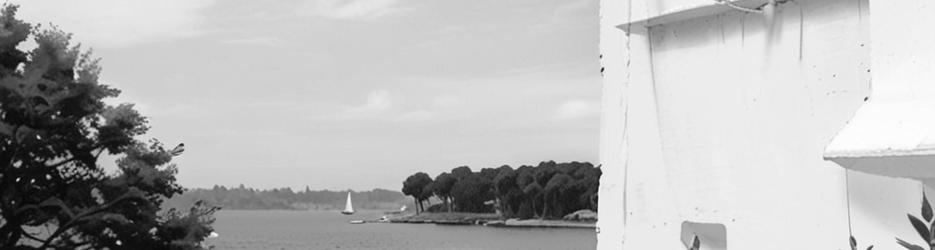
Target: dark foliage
{"type": "Point", "coordinates": [442, 186]}
{"type": "Point", "coordinates": [549, 190]}
{"type": "Point", "coordinates": [925, 227]}
{"type": "Point", "coordinates": [53, 127]}
{"type": "Point", "coordinates": [471, 192]}
{"type": "Point", "coordinates": [853, 243]}
{"type": "Point", "coordinates": [418, 186]}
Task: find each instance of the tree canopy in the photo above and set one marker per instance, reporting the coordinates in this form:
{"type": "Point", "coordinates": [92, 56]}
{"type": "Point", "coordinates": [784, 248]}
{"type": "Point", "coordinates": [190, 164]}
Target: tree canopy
{"type": "Point", "coordinates": [53, 127]}
{"type": "Point", "coordinates": [442, 188]}
{"type": "Point", "coordinates": [547, 190]}
{"type": "Point", "coordinates": [418, 185]}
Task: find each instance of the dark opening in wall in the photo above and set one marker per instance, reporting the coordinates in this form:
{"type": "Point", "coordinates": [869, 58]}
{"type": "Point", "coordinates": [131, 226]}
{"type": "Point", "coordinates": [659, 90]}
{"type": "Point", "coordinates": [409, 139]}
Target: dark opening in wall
{"type": "Point", "coordinates": [713, 236]}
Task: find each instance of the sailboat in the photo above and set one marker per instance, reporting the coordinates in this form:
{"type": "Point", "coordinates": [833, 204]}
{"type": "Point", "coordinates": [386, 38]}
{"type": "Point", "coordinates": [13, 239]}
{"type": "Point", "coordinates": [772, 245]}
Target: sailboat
{"type": "Point", "coordinates": [348, 208]}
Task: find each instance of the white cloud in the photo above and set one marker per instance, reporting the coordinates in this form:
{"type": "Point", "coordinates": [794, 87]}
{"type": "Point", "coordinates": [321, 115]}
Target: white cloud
{"type": "Point", "coordinates": [377, 101]}
{"type": "Point", "coordinates": [440, 109]}
{"type": "Point", "coordinates": [256, 41]}
{"type": "Point", "coordinates": [576, 109]}
{"type": "Point", "coordinates": [350, 9]}
{"type": "Point", "coordinates": [117, 23]}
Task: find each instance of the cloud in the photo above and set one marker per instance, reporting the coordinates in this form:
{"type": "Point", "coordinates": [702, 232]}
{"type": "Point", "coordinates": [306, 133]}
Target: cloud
{"type": "Point", "coordinates": [117, 23]}
{"type": "Point", "coordinates": [576, 109]}
{"type": "Point", "coordinates": [377, 101]}
{"type": "Point", "coordinates": [256, 41]}
{"type": "Point", "coordinates": [441, 108]}
{"type": "Point", "coordinates": [351, 9]}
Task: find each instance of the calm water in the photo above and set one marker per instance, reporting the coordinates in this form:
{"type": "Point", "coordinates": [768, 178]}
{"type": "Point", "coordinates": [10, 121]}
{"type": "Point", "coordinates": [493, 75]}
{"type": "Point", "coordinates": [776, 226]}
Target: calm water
{"type": "Point", "coordinates": [330, 230]}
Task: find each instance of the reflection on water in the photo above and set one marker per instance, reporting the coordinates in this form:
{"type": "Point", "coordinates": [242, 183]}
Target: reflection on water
{"type": "Point", "coordinates": [331, 230]}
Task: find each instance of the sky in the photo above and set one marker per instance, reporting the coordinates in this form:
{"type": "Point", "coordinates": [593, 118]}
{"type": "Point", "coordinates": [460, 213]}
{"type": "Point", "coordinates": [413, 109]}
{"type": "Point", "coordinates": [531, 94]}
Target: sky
{"type": "Point", "coordinates": [347, 94]}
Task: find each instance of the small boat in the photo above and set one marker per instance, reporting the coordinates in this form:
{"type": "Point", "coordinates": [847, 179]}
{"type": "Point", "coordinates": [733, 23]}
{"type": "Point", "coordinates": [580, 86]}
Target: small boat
{"type": "Point", "coordinates": [357, 222]}
{"type": "Point", "coordinates": [348, 207]}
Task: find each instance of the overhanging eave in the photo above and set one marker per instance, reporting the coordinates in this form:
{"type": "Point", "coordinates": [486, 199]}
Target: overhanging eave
{"type": "Point", "coordinates": [657, 13]}
{"type": "Point", "coordinates": [895, 139]}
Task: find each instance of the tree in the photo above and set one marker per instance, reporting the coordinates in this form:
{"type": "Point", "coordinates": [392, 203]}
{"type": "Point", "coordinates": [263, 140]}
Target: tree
{"type": "Point", "coordinates": [414, 186]}
{"type": "Point", "coordinates": [470, 193]}
{"type": "Point", "coordinates": [53, 127]}
{"type": "Point", "coordinates": [588, 183]}
{"type": "Point", "coordinates": [489, 173]}
{"type": "Point", "coordinates": [533, 195]}
{"type": "Point", "coordinates": [554, 194]}
{"type": "Point", "coordinates": [442, 188]}
{"type": "Point", "coordinates": [544, 172]}
{"type": "Point", "coordinates": [426, 194]}
{"type": "Point", "coordinates": [505, 188]}
{"type": "Point", "coordinates": [461, 172]}
{"type": "Point", "coordinates": [528, 195]}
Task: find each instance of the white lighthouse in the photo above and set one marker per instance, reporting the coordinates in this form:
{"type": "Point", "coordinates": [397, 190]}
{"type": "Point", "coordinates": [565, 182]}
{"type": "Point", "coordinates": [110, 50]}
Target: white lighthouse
{"type": "Point", "coordinates": [758, 126]}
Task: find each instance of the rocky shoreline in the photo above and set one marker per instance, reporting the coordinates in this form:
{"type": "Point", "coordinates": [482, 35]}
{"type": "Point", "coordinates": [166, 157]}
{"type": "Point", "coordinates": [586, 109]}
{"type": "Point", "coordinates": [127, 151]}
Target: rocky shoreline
{"type": "Point", "coordinates": [491, 220]}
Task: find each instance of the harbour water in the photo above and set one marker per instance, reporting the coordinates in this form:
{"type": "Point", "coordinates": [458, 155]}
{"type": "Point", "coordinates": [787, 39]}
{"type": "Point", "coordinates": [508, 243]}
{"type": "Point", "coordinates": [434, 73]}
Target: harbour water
{"type": "Point", "coordinates": [274, 229]}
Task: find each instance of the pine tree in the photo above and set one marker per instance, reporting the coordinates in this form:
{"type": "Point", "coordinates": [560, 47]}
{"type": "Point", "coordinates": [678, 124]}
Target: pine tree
{"type": "Point", "coordinates": [53, 127]}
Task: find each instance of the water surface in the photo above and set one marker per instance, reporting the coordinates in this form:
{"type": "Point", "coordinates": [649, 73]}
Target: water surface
{"type": "Point", "coordinates": [331, 230]}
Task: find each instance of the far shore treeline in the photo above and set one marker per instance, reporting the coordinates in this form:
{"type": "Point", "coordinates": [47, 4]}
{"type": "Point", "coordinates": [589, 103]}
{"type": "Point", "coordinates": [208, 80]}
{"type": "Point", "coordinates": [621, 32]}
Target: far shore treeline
{"type": "Point", "coordinates": [243, 198]}
{"type": "Point", "coordinates": [549, 190]}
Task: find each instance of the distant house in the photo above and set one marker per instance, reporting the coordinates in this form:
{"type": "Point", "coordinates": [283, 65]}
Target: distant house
{"type": "Point", "coordinates": [756, 131]}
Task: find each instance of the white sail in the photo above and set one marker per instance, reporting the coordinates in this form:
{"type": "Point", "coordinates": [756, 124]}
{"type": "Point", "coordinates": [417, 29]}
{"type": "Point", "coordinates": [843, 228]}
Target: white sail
{"type": "Point", "coordinates": [348, 207]}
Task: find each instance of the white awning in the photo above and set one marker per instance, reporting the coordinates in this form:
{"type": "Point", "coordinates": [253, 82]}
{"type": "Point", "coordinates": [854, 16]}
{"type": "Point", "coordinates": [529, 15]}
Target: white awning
{"type": "Point", "coordinates": [893, 138]}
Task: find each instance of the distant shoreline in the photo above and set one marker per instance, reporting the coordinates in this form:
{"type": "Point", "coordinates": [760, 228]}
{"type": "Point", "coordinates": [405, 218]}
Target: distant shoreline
{"type": "Point", "coordinates": [245, 198]}
{"type": "Point", "coordinates": [454, 218]}
{"type": "Point", "coordinates": [483, 219]}
{"type": "Point", "coordinates": [335, 210]}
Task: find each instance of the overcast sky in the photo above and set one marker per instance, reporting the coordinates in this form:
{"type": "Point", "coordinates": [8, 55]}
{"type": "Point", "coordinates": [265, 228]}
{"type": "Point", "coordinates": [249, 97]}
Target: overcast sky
{"type": "Point", "coordinates": [338, 94]}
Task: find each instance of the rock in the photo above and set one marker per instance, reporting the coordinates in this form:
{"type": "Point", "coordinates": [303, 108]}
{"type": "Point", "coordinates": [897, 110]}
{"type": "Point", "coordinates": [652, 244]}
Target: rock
{"type": "Point", "coordinates": [495, 223]}
{"type": "Point", "coordinates": [583, 214]}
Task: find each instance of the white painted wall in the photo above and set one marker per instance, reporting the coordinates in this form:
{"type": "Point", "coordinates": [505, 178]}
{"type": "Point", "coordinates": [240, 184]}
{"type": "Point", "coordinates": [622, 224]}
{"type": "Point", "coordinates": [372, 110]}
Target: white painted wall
{"type": "Point", "coordinates": [724, 118]}
{"type": "Point", "coordinates": [612, 143]}
{"type": "Point", "coordinates": [903, 55]}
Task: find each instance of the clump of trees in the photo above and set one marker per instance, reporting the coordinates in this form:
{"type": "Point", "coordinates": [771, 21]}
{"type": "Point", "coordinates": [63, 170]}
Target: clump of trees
{"type": "Point", "coordinates": [53, 127]}
{"type": "Point", "coordinates": [548, 190]}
